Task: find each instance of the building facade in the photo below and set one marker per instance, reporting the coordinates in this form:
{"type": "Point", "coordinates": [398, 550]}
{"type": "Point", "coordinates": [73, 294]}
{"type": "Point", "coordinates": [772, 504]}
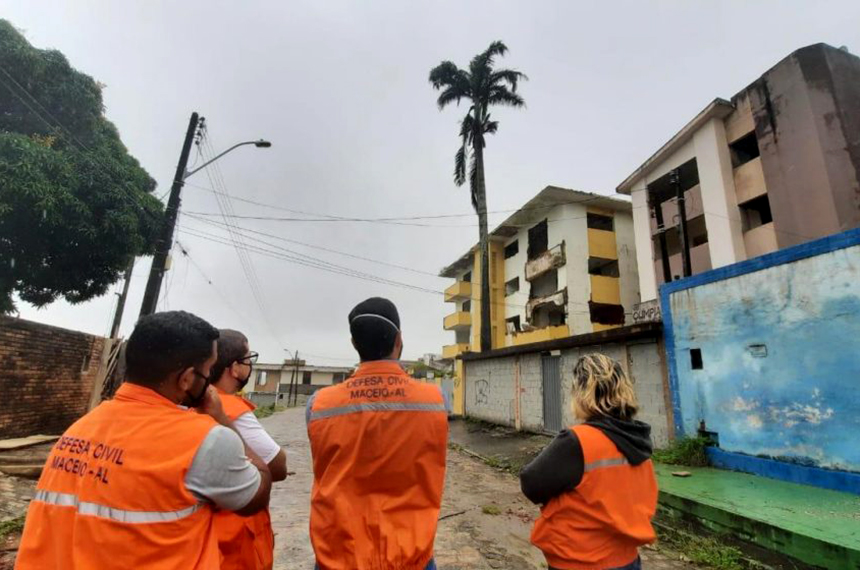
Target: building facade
{"type": "Point", "coordinates": [564, 264]}
{"type": "Point", "coordinates": [309, 377]}
{"type": "Point", "coordinates": [776, 166]}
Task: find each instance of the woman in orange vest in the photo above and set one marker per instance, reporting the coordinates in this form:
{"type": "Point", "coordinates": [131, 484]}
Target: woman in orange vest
{"type": "Point", "coordinates": [245, 543]}
{"type": "Point", "coordinates": [595, 482]}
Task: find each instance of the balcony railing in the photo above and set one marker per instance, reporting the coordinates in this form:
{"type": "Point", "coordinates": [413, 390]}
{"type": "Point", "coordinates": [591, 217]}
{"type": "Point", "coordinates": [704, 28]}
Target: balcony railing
{"type": "Point", "coordinates": [457, 321]}
{"type": "Point", "coordinates": [453, 350]}
{"type": "Point", "coordinates": [546, 261]}
{"type": "Point", "coordinates": [459, 291]}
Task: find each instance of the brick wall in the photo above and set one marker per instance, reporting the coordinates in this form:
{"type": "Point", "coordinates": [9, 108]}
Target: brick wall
{"type": "Point", "coordinates": [491, 386]}
{"type": "Point", "coordinates": [46, 376]}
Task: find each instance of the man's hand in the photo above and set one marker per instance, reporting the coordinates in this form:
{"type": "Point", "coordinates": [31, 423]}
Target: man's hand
{"type": "Point", "coordinates": [212, 406]}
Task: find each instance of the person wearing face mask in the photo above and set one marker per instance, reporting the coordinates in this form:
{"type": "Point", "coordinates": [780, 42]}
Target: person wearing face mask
{"type": "Point", "coordinates": [378, 442]}
{"type": "Point", "coordinates": [246, 543]}
{"type": "Point", "coordinates": [135, 482]}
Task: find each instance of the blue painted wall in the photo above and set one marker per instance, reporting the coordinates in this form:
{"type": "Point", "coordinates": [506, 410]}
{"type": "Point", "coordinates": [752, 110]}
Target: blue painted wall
{"type": "Point", "coordinates": [780, 343]}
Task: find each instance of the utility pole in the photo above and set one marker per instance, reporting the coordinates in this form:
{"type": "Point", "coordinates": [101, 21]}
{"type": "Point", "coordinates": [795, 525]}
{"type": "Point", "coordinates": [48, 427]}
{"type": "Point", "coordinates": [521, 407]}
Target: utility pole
{"type": "Point", "coordinates": [120, 304]}
{"type": "Point", "coordinates": [165, 238]}
{"type": "Point", "coordinates": [675, 181]}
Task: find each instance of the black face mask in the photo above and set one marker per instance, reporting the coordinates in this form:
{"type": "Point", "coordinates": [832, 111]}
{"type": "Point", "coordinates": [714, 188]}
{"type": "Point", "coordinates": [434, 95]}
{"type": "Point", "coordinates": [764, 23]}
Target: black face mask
{"type": "Point", "coordinates": [195, 401]}
{"type": "Point", "coordinates": [244, 381]}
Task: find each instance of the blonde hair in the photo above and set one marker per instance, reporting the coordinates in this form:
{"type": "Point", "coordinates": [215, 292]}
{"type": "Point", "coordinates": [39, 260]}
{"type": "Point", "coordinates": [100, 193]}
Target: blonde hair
{"type": "Point", "coordinates": [601, 388]}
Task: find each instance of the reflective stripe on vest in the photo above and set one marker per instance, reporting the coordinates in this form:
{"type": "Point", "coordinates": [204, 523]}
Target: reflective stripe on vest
{"type": "Point", "coordinates": [105, 512]}
{"type": "Point", "coordinates": [605, 463]}
{"type": "Point", "coordinates": [376, 407]}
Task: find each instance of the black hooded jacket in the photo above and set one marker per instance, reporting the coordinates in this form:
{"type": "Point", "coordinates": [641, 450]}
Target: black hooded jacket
{"type": "Point", "coordinates": [560, 466]}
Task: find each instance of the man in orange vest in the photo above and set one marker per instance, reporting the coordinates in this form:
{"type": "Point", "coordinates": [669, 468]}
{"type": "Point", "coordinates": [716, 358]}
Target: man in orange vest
{"type": "Point", "coordinates": [378, 442]}
{"type": "Point", "coordinates": [132, 484]}
{"type": "Point", "coordinates": [246, 543]}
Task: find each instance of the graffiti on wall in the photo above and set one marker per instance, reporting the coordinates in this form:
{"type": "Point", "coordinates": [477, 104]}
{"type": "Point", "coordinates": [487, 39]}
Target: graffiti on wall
{"type": "Point", "coordinates": [482, 392]}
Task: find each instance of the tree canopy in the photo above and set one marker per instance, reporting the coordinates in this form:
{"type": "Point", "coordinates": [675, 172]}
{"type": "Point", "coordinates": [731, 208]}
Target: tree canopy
{"type": "Point", "coordinates": [75, 206]}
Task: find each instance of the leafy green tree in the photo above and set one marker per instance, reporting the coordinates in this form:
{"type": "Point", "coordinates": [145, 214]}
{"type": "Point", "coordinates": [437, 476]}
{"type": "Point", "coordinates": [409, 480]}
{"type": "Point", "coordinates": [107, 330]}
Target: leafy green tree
{"type": "Point", "coordinates": [75, 207]}
{"type": "Point", "coordinates": [483, 86]}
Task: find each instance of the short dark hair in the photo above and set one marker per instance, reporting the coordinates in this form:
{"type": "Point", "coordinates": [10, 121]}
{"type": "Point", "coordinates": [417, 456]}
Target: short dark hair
{"type": "Point", "coordinates": [374, 324]}
{"type": "Point", "coordinates": [162, 343]}
{"type": "Point", "coordinates": [231, 347]}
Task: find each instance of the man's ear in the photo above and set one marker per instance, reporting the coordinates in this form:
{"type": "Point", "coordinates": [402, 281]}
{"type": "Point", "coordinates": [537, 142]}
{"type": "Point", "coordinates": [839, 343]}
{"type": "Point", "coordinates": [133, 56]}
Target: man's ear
{"type": "Point", "coordinates": [185, 379]}
{"type": "Point", "coordinates": [398, 345]}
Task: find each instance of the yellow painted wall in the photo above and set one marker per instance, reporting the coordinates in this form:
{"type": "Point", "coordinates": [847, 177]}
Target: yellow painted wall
{"type": "Point", "coordinates": [540, 335]}
{"type": "Point", "coordinates": [497, 297]}
{"type": "Point", "coordinates": [458, 319]}
{"type": "Point", "coordinates": [459, 389]}
{"type": "Point", "coordinates": [605, 290]}
{"type": "Point", "coordinates": [601, 243]}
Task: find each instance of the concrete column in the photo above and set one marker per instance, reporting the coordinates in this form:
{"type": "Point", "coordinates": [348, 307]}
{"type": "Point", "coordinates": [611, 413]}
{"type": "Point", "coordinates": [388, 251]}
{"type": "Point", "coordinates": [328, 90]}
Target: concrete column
{"type": "Point", "coordinates": [644, 244]}
{"type": "Point", "coordinates": [716, 178]}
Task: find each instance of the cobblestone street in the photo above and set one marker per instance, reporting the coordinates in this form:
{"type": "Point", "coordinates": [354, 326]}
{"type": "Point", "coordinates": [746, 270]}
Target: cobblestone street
{"type": "Point", "coordinates": [485, 520]}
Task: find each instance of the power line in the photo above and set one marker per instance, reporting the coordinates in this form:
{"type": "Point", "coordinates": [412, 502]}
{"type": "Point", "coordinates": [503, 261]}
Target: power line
{"type": "Point", "coordinates": [307, 261]}
{"type": "Point", "coordinates": [312, 246]}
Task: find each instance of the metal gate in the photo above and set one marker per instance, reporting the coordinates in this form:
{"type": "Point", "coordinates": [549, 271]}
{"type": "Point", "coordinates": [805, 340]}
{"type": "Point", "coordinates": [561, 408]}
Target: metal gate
{"type": "Point", "coordinates": [448, 393]}
{"type": "Point", "coordinates": [553, 419]}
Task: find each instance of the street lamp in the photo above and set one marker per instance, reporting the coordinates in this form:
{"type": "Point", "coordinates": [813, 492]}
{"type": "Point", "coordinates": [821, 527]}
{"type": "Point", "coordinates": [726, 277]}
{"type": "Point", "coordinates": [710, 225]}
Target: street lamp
{"type": "Point", "coordinates": [165, 240]}
{"type": "Point", "coordinates": [259, 144]}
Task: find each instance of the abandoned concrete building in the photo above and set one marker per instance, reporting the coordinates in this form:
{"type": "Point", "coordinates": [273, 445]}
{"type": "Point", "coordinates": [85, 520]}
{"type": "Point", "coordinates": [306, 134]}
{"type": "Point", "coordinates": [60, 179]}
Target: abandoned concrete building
{"type": "Point", "coordinates": [776, 166]}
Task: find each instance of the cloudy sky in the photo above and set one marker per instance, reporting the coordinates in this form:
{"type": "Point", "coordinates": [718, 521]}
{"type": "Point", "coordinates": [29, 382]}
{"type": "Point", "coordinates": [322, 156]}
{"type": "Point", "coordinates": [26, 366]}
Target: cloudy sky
{"type": "Point", "coordinates": [340, 88]}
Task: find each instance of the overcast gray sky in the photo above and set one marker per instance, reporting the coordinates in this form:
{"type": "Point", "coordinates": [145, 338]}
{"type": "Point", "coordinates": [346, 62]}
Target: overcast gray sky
{"type": "Point", "coordinates": [340, 88]}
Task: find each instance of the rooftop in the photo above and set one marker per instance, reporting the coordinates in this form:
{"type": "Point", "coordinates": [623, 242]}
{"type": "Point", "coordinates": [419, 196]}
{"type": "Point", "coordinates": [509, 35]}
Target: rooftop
{"type": "Point", "coordinates": [532, 211]}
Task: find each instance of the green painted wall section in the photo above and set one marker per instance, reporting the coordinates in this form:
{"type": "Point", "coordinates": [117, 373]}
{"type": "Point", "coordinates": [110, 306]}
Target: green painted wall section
{"type": "Point", "coordinates": [816, 526]}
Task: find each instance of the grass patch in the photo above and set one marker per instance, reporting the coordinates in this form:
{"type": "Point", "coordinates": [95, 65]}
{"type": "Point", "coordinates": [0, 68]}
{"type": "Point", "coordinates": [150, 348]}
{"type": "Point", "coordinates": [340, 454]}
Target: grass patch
{"type": "Point", "coordinates": [491, 510]}
{"type": "Point", "coordinates": [704, 550]}
{"type": "Point", "coordinates": [689, 451]}
{"type": "Point", "coordinates": [12, 526]}
{"type": "Point", "coordinates": [266, 411]}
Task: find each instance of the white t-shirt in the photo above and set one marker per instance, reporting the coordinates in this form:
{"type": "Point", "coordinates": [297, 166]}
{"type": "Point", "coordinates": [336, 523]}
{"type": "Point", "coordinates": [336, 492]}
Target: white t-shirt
{"type": "Point", "coordinates": [221, 473]}
{"type": "Point", "coordinates": [256, 437]}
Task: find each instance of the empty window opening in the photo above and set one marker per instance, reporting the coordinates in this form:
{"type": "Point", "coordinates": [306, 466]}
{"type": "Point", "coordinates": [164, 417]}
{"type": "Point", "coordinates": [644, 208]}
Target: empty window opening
{"type": "Point", "coordinates": [512, 249]}
{"type": "Point", "coordinates": [546, 284]}
{"type": "Point", "coordinates": [512, 286]}
{"type": "Point", "coordinates": [605, 267]}
{"type": "Point", "coordinates": [744, 149]}
{"type": "Point", "coordinates": [461, 336]}
{"type": "Point", "coordinates": [85, 365]}
{"type": "Point", "coordinates": [262, 375]}
{"type": "Point", "coordinates": [696, 359]}
{"type": "Point", "coordinates": [513, 324]}
{"type": "Point", "coordinates": [338, 377]}
{"type": "Point", "coordinates": [606, 314]}
{"type": "Point", "coordinates": [467, 277]}
{"type": "Point", "coordinates": [755, 213]}
{"type": "Point", "coordinates": [549, 315]}
{"type": "Point", "coordinates": [306, 377]}
{"type": "Point", "coordinates": [600, 222]}
{"type": "Point", "coordinates": [538, 240]}
{"type": "Point", "coordinates": [467, 307]}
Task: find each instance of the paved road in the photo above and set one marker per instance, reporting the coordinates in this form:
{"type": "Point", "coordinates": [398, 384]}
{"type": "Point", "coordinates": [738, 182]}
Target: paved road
{"type": "Point", "coordinates": [487, 525]}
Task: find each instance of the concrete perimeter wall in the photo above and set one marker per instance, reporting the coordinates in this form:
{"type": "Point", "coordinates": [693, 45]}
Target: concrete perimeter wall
{"type": "Point", "coordinates": [508, 389]}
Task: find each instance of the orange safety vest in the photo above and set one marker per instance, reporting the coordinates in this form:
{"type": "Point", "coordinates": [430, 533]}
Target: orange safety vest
{"type": "Point", "coordinates": [378, 442]}
{"type": "Point", "coordinates": [244, 542]}
{"type": "Point", "coordinates": [602, 522]}
{"type": "Point", "coordinates": [112, 493]}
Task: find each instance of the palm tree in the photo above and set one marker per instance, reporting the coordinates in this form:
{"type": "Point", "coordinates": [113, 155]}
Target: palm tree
{"type": "Point", "coordinates": [483, 86]}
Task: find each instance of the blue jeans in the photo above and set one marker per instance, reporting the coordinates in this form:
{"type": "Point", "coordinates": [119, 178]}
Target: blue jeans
{"type": "Point", "coordinates": [430, 566]}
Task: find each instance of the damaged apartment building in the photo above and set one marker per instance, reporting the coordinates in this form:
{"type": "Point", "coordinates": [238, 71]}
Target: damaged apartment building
{"type": "Point", "coordinates": [564, 264]}
{"type": "Point", "coordinates": [775, 166]}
